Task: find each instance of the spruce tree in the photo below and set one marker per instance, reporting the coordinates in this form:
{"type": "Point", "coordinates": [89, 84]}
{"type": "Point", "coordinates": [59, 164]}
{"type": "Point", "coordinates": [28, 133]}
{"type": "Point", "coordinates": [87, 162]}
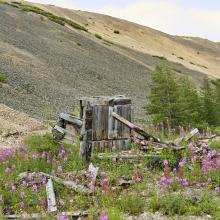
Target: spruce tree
{"type": "Point", "coordinates": [209, 104]}
{"type": "Point", "coordinates": [164, 97]}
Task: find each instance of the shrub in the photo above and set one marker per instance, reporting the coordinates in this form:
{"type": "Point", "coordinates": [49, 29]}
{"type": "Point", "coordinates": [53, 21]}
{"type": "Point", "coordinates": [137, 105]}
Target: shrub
{"type": "Point", "coordinates": [192, 63]}
{"type": "Point", "coordinates": [56, 20]}
{"type": "Point", "coordinates": [18, 3]}
{"type": "Point", "coordinates": [175, 69]}
{"type": "Point", "coordinates": [3, 77]}
{"type": "Point", "coordinates": [124, 48]}
{"type": "Point", "coordinates": [75, 25]}
{"type": "Point", "coordinates": [108, 41]}
{"type": "Point", "coordinates": [98, 36]}
{"type": "Point", "coordinates": [116, 32]}
{"type": "Point", "coordinates": [41, 17]}
{"type": "Point", "coordinates": [16, 6]}
{"type": "Point", "coordinates": [159, 57]}
{"type": "Point", "coordinates": [79, 44]}
{"type": "Point", "coordinates": [180, 58]}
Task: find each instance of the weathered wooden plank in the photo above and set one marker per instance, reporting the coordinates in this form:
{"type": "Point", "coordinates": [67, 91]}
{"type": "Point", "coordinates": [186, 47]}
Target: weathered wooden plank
{"type": "Point", "coordinates": [70, 118]}
{"type": "Point", "coordinates": [135, 128]}
{"type": "Point", "coordinates": [101, 155]}
{"type": "Point", "coordinates": [101, 145]}
{"type": "Point", "coordinates": [83, 130]}
{"type": "Point", "coordinates": [30, 216]}
{"type": "Point", "coordinates": [121, 101]}
{"type": "Point", "coordinates": [111, 133]}
{"type": "Point", "coordinates": [72, 184]}
{"type": "Point", "coordinates": [51, 199]}
{"type": "Point", "coordinates": [188, 136]}
{"type": "Point", "coordinates": [62, 130]}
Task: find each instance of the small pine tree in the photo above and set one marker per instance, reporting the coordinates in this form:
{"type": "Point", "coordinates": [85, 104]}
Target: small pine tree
{"type": "Point", "coordinates": [164, 97]}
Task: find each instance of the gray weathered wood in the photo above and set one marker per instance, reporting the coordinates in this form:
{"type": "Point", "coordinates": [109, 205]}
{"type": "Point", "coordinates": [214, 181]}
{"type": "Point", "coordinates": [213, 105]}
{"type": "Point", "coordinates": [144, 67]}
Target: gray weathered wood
{"type": "Point", "coordinates": [188, 136]}
{"type": "Point", "coordinates": [32, 216]}
{"type": "Point", "coordinates": [62, 130]}
{"type": "Point", "coordinates": [51, 199]}
{"type": "Point", "coordinates": [71, 118]}
{"type": "Point", "coordinates": [135, 128]}
{"type": "Point", "coordinates": [72, 184]}
{"type": "Point", "coordinates": [101, 155]}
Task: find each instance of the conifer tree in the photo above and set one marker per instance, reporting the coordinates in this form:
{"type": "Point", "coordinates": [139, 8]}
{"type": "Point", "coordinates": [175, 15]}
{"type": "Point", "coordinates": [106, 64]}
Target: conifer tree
{"type": "Point", "coordinates": [209, 104]}
{"type": "Point", "coordinates": [164, 97]}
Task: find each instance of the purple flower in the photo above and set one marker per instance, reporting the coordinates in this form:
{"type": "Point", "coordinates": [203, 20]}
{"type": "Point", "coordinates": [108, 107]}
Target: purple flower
{"type": "Point", "coordinates": [209, 179]}
{"type": "Point", "coordinates": [22, 195]}
{"type": "Point", "coordinates": [0, 197]}
{"type": "Point", "coordinates": [65, 159]}
{"type": "Point", "coordinates": [13, 188]}
{"type": "Point", "coordinates": [7, 170]}
{"type": "Point", "coordinates": [165, 163]}
{"type": "Point", "coordinates": [43, 202]}
{"type": "Point", "coordinates": [74, 144]}
{"type": "Point", "coordinates": [92, 155]}
{"type": "Point", "coordinates": [59, 169]}
{"type": "Point", "coordinates": [132, 126]}
{"type": "Point", "coordinates": [159, 191]}
{"type": "Point", "coordinates": [21, 204]}
{"type": "Point", "coordinates": [7, 213]}
{"type": "Point", "coordinates": [24, 184]}
{"type": "Point", "coordinates": [35, 188]}
{"type": "Point", "coordinates": [217, 189]}
{"type": "Point", "coordinates": [214, 152]}
{"type": "Point", "coordinates": [77, 181]}
{"type": "Point", "coordinates": [113, 148]}
{"type": "Point", "coordinates": [137, 141]}
{"type": "Point", "coordinates": [174, 170]}
{"type": "Point", "coordinates": [137, 180]}
{"type": "Point", "coordinates": [104, 216]}
{"type": "Point", "coordinates": [48, 161]}
{"type": "Point", "coordinates": [92, 175]}
{"type": "Point", "coordinates": [6, 185]}
{"type": "Point", "coordinates": [114, 159]}
{"type": "Point", "coordinates": [13, 166]}
{"type": "Point", "coordinates": [103, 173]}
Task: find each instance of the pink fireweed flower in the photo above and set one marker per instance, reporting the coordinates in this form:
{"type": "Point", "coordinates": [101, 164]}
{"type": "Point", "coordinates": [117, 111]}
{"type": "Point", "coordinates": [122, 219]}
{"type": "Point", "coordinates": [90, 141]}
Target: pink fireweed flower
{"type": "Point", "coordinates": [35, 188]}
{"type": "Point", "coordinates": [74, 144]}
{"type": "Point", "coordinates": [21, 204]}
{"type": "Point", "coordinates": [25, 215]}
{"type": "Point", "coordinates": [106, 144]}
{"type": "Point", "coordinates": [209, 179]}
{"type": "Point", "coordinates": [92, 155]}
{"type": "Point", "coordinates": [0, 197]}
{"type": "Point", "coordinates": [48, 161]}
{"type": "Point", "coordinates": [77, 181]}
{"type": "Point", "coordinates": [165, 163]}
{"type": "Point", "coordinates": [113, 148]}
{"type": "Point", "coordinates": [6, 185]}
{"type": "Point", "coordinates": [137, 141]}
{"type": "Point", "coordinates": [217, 189]}
{"type": "Point", "coordinates": [13, 166]}
{"type": "Point", "coordinates": [114, 159]}
{"type": "Point", "coordinates": [22, 195]}
{"type": "Point", "coordinates": [137, 180]}
{"type": "Point", "coordinates": [24, 184]}
{"type": "Point", "coordinates": [132, 126]}
{"type": "Point", "coordinates": [7, 213]}
{"type": "Point", "coordinates": [43, 202]}
{"type": "Point", "coordinates": [59, 169]}
{"type": "Point", "coordinates": [65, 159]}
{"type": "Point", "coordinates": [159, 191]}
{"type": "Point", "coordinates": [174, 170]}
{"type": "Point", "coordinates": [104, 184]}
{"type": "Point", "coordinates": [104, 216]}
{"type": "Point", "coordinates": [214, 152]}
{"type": "Point", "coordinates": [103, 173]}
{"type": "Point", "coordinates": [7, 170]}
{"type": "Point", "coordinates": [13, 188]}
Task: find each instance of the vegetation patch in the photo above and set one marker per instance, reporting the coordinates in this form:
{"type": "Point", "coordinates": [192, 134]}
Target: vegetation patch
{"type": "Point", "coordinates": [116, 32]}
{"type": "Point", "coordinates": [124, 48]}
{"type": "Point", "coordinates": [160, 57]}
{"type": "Point", "coordinates": [192, 63]}
{"type": "Point", "coordinates": [98, 36]}
{"type": "Point", "coordinates": [176, 69]}
{"type": "Point", "coordinates": [108, 41]}
{"type": "Point", "coordinates": [180, 58]}
{"type": "Point", "coordinates": [79, 44]}
{"type": "Point", "coordinates": [202, 66]}
{"type": "Point", "coordinates": [3, 77]}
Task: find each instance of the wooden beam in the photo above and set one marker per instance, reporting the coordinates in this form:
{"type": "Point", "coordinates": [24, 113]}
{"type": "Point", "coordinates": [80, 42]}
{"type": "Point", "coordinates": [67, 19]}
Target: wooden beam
{"type": "Point", "coordinates": [51, 199]}
{"type": "Point", "coordinates": [70, 118]}
{"type": "Point", "coordinates": [135, 128]}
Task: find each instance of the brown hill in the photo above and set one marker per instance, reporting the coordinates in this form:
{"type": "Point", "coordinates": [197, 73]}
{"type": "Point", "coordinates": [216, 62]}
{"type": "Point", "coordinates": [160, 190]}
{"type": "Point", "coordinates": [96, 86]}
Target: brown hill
{"type": "Point", "coordinates": [41, 58]}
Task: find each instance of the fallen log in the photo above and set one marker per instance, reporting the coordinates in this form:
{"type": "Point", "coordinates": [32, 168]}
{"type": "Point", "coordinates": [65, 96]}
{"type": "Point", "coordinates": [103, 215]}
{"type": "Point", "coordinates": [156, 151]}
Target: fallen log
{"type": "Point", "coordinates": [51, 199]}
{"type": "Point", "coordinates": [72, 184]}
{"type": "Point", "coordinates": [188, 136]}
{"type": "Point", "coordinates": [136, 128]}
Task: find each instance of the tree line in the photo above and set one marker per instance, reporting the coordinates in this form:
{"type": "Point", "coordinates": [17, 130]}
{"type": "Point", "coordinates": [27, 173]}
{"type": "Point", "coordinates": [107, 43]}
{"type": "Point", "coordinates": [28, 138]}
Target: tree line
{"type": "Point", "coordinates": [180, 102]}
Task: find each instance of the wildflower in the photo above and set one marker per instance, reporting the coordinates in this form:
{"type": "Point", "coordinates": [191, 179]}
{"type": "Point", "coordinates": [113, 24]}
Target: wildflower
{"type": "Point", "coordinates": [92, 175]}
{"type": "Point", "coordinates": [209, 179]}
{"type": "Point", "coordinates": [24, 183]}
{"type": "Point", "coordinates": [149, 187]}
{"type": "Point", "coordinates": [92, 155]}
{"type": "Point", "coordinates": [65, 159]}
{"type": "Point", "coordinates": [159, 191]}
{"type": "Point", "coordinates": [214, 152]}
{"type": "Point", "coordinates": [132, 126]}
{"type": "Point", "coordinates": [103, 173]}
{"type": "Point", "coordinates": [74, 144]}
{"type": "Point", "coordinates": [13, 188]}
{"type": "Point", "coordinates": [21, 204]}
{"type": "Point", "coordinates": [43, 202]}
{"type": "Point", "coordinates": [104, 184]}
{"type": "Point", "coordinates": [217, 189]}
{"type": "Point", "coordinates": [7, 213]}
{"type": "Point", "coordinates": [6, 185]}
{"type": "Point", "coordinates": [59, 169]}
{"type": "Point", "coordinates": [113, 148]}
{"type": "Point", "coordinates": [0, 197]}
{"type": "Point", "coordinates": [104, 216]}
{"type": "Point", "coordinates": [165, 163]}
{"type": "Point", "coordinates": [13, 166]}
{"type": "Point", "coordinates": [48, 161]}
{"type": "Point", "coordinates": [174, 170]}
{"type": "Point", "coordinates": [137, 141]}
{"type": "Point", "coordinates": [25, 215]}
{"type": "Point", "coordinates": [7, 170]}
{"type": "Point", "coordinates": [151, 139]}
{"type": "Point", "coordinates": [114, 159]}
{"type": "Point", "coordinates": [35, 188]}
{"type": "Point", "coordinates": [22, 195]}
{"type": "Point", "coordinates": [77, 181]}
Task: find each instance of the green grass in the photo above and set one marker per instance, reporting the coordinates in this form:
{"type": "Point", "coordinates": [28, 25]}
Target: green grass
{"type": "Point", "coordinates": [79, 44]}
{"type": "Point", "coordinates": [56, 20]}
{"type": "Point", "coordinates": [14, 2]}
{"type": "Point", "coordinates": [160, 57]}
{"type": "Point", "coordinates": [202, 66]}
{"type": "Point", "coordinates": [3, 77]}
{"type": "Point", "coordinates": [124, 48]}
{"type": "Point", "coordinates": [180, 58]}
{"type": "Point", "coordinates": [192, 63]}
{"type": "Point", "coordinates": [98, 36]}
{"type": "Point", "coordinates": [116, 32]}
{"type": "Point", "coordinates": [108, 41]}
{"type": "Point", "coordinates": [176, 69]}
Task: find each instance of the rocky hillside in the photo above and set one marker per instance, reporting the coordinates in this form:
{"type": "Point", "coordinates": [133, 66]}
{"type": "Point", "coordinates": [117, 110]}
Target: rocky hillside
{"type": "Point", "coordinates": [48, 66]}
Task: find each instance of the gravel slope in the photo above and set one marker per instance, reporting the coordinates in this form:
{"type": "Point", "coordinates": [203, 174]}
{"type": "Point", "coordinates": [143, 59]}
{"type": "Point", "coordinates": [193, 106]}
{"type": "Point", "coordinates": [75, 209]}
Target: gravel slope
{"type": "Point", "coordinates": [43, 62]}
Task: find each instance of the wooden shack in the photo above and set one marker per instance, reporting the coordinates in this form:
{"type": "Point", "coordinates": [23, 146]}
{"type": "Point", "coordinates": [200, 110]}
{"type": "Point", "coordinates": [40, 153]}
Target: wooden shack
{"type": "Point", "coordinates": [99, 129]}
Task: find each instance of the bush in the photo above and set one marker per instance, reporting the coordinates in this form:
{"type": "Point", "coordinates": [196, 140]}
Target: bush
{"type": "Point", "coordinates": [16, 6]}
{"type": "Point", "coordinates": [56, 20]}
{"type": "Point", "coordinates": [41, 17]}
{"type": "Point", "coordinates": [75, 25]}
{"type": "Point", "coordinates": [180, 58]}
{"type": "Point", "coordinates": [98, 36]}
{"type": "Point", "coordinates": [124, 48]}
{"type": "Point", "coordinates": [159, 57]}
{"type": "Point", "coordinates": [3, 77]}
{"type": "Point", "coordinates": [79, 44]}
{"type": "Point", "coordinates": [18, 3]}
{"type": "Point", "coordinates": [116, 32]}
{"type": "Point", "coordinates": [106, 43]}
{"type": "Point", "coordinates": [192, 63]}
